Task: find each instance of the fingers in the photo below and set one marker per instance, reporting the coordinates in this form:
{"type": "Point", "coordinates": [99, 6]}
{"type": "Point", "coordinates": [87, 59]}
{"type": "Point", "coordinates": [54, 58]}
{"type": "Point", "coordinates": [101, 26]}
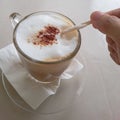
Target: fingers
{"type": "Point", "coordinates": [115, 59]}
{"type": "Point", "coordinates": [115, 12]}
{"type": "Point", "coordinates": [113, 49]}
{"type": "Point", "coordinates": [114, 55]}
{"type": "Point", "coordinates": [111, 43]}
{"type": "Point", "coordinates": [107, 24]}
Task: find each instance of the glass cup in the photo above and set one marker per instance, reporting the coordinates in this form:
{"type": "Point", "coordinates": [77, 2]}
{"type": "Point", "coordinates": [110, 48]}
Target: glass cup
{"type": "Point", "coordinates": [46, 71]}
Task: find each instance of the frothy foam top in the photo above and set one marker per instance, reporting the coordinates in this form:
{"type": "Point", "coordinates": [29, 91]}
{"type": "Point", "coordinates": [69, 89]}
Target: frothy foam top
{"type": "Point", "coordinates": [29, 30]}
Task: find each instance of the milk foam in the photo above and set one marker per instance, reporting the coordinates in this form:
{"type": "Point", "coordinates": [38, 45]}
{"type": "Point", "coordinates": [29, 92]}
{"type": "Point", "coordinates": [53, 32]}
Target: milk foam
{"type": "Point", "coordinates": [31, 25]}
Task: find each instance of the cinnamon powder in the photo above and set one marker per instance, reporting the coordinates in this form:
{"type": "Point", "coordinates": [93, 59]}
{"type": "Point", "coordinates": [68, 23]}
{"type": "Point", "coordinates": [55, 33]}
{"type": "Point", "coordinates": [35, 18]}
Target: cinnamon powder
{"type": "Point", "coordinates": [46, 36]}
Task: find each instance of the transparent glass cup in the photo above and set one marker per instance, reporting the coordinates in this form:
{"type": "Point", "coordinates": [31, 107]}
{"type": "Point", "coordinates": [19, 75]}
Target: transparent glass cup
{"type": "Point", "coordinates": [46, 71]}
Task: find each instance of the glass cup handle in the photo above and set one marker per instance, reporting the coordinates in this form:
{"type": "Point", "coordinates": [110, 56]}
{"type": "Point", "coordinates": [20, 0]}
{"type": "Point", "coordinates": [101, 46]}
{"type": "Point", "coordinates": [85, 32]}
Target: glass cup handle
{"type": "Point", "coordinates": [15, 19]}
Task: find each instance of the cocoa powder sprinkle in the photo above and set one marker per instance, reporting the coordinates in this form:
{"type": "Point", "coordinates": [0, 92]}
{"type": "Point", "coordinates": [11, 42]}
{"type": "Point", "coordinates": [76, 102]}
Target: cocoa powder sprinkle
{"type": "Point", "coordinates": [46, 36]}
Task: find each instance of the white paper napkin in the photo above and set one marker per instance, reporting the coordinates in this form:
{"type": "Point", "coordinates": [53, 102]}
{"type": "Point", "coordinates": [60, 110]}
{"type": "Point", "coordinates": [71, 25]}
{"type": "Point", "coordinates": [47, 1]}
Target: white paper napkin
{"type": "Point", "coordinates": [33, 93]}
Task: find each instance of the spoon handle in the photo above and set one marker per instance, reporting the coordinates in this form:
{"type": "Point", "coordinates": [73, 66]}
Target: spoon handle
{"type": "Point", "coordinates": [77, 27]}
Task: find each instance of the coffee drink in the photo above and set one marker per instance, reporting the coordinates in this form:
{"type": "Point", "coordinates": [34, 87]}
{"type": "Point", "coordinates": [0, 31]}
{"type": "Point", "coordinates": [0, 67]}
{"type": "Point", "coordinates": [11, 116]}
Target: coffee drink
{"type": "Point", "coordinates": [39, 38]}
{"type": "Point", "coordinates": [45, 53]}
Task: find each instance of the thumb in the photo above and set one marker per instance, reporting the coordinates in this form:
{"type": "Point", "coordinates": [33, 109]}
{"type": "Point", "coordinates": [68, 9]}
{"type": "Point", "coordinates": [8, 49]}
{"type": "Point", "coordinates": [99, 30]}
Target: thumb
{"type": "Point", "coordinates": [106, 23]}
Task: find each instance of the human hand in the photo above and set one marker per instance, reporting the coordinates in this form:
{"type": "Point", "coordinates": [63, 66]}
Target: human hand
{"type": "Point", "coordinates": [109, 24]}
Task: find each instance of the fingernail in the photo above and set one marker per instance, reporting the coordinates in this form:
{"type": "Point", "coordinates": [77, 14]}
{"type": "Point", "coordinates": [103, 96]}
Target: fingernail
{"type": "Point", "coordinates": [95, 18]}
{"type": "Point", "coordinates": [96, 15]}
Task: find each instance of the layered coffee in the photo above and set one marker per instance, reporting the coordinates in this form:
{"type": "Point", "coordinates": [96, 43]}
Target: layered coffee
{"type": "Point", "coordinates": [39, 37]}
{"type": "Point", "coordinates": [44, 52]}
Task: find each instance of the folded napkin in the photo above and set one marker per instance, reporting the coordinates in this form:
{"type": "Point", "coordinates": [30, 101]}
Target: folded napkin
{"type": "Point", "coordinates": [32, 92]}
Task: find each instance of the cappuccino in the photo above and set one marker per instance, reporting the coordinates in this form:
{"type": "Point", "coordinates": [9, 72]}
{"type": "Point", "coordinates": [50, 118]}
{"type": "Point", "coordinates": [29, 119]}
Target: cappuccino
{"type": "Point", "coordinates": [44, 52]}
{"type": "Point", "coordinates": [39, 37]}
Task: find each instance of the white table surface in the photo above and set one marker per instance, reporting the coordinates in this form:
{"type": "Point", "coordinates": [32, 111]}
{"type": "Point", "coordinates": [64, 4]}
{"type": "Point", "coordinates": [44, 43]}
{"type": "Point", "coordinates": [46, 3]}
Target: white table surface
{"type": "Point", "coordinates": [100, 98]}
